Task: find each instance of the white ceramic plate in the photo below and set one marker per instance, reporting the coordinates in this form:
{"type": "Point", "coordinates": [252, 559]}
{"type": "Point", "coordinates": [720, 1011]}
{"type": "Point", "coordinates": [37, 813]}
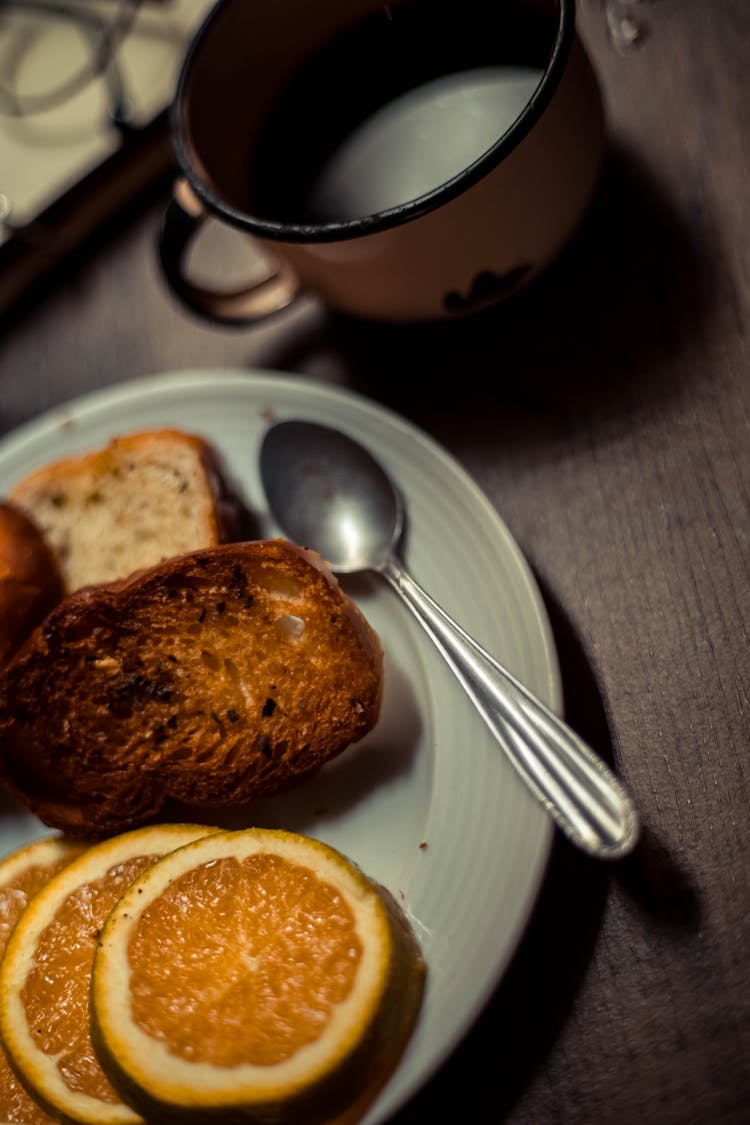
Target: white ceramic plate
{"type": "Point", "coordinates": [426, 803]}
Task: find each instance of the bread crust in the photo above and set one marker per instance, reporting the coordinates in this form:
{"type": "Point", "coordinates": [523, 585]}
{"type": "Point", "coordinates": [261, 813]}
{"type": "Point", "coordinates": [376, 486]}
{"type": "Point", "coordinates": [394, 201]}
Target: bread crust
{"type": "Point", "coordinates": [103, 519]}
{"type": "Point", "coordinates": [30, 579]}
{"type": "Point", "coordinates": [212, 678]}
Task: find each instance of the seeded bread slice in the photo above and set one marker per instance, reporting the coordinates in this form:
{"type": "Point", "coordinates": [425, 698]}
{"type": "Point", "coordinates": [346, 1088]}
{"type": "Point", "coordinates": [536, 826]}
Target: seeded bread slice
{"type": "Point", "coordinates": [142, 498]}
{"type": "Point", "coordinates": [213, 678]}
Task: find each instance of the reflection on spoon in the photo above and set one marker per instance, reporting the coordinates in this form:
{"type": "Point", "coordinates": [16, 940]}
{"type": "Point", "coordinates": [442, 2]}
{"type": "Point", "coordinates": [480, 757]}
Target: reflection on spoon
{"type": "Point", "coordinates": [328, 493]}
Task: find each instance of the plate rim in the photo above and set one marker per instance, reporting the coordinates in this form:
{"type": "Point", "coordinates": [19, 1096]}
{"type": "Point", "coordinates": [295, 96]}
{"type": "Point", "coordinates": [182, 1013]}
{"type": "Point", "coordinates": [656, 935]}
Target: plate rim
{"type": "Point", "coordinates": [101, 401]}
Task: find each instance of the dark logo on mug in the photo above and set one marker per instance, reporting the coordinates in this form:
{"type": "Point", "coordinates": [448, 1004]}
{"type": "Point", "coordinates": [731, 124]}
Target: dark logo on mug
{"type": "Point", "coordinates": [486, 286]}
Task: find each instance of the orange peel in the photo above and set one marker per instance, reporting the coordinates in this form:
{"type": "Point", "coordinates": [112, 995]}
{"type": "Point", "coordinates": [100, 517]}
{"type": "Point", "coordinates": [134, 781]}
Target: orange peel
{"type": "Point", "coordinates": [22, 875]}
{"type": "Point", "coordinates": [254, 975]}
{"type": "Point", "coordinates": [45, 975]}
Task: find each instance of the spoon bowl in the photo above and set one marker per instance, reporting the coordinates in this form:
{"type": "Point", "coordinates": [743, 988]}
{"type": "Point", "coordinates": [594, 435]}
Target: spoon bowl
{"type": "Point", "coordinates": [327, 492]}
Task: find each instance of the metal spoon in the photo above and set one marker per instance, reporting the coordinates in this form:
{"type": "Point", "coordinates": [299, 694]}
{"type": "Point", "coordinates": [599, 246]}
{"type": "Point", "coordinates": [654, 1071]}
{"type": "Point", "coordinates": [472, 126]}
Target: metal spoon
{"type": "Point", "coordinates": [327, 492]}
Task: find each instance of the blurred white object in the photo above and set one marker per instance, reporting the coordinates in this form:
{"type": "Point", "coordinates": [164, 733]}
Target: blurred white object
{"type": "Point", "coordinates": [625, 23]}
{"type": "Point", "coordinates": [45, 152]}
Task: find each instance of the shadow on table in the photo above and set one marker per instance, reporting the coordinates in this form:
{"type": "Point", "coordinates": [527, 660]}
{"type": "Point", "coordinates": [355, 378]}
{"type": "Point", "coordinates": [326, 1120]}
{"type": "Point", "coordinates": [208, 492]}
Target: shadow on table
{"type": "Point", "coordinates": [633, 283]}
{"type": "Point", "coordinates": [515, 1033]}
{"type": "Point", "coordinates": [650, 878]}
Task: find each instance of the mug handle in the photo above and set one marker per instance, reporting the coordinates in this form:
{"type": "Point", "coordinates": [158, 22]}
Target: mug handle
{"type": "Point", "coordinates": [183, 218]}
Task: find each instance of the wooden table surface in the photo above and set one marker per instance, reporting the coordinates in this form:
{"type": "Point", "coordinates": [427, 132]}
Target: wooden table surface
{"type": "Point", "coordinates": [606, 413]}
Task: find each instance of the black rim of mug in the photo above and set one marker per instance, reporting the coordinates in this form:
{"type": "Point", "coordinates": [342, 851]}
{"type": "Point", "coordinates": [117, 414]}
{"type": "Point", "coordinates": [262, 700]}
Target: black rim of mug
{"type": "Point", "coordinates": [394, 216]}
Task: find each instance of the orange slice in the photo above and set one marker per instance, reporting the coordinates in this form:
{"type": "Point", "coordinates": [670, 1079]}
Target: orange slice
{"type": "Point", "coordinates": [23, 873]}
{"type": "Point", "coordinates": [45, 974]}
{"type": "Point", "coordinates": [255, 975]}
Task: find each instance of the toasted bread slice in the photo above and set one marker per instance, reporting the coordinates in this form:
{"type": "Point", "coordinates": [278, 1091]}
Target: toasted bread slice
{"type": "Point", "coordinates": [213, 678]}
{"type": "Point", "coordinates": [140, 499]}
{"type": "Point", "coordinates": [30, 579]}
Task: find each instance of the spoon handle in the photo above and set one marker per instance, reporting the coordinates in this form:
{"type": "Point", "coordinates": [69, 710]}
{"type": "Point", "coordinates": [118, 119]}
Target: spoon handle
{"type": "Point", "coordinates": [584, 798]}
